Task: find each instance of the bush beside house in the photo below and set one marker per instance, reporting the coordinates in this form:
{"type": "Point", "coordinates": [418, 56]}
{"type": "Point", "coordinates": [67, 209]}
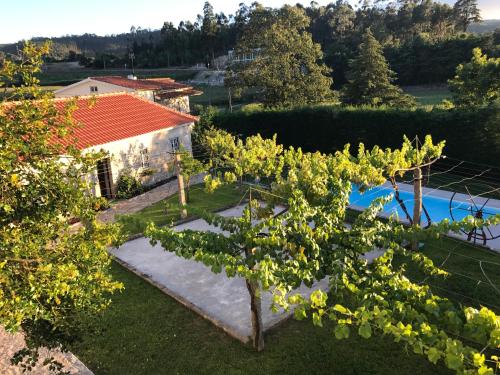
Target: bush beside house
{"type": "Point", "coordinates": [128, 186]}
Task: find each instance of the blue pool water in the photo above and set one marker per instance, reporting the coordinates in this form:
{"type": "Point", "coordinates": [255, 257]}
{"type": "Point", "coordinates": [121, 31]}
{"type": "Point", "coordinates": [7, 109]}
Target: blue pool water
{"type": "Point", "coordinates": [438, 208]}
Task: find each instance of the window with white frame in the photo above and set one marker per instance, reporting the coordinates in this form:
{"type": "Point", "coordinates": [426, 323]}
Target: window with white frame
{"type": "Point", "coordinates": [174, 144]}
{"type": "Point", "coordinates": [93, 89]}
{"type": "Point", "coordinates": [145, 158]}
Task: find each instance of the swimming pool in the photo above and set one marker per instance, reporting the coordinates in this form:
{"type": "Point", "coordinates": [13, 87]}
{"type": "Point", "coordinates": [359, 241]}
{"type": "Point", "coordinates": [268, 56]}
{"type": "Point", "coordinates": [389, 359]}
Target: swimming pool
{"type": "Point", "coordinates": [438, 207]}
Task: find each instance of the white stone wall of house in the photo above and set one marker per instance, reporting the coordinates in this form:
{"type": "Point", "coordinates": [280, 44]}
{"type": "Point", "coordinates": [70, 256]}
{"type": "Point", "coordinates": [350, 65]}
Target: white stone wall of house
{"type": "Point", "coordinates": [93, 182]}
{"type": "Point", "coordinates": [147, 157]}
{"type": "Point", "coordinates": [87, 87]}
{"type": "Point", "coordinates": [146, 94]}
{"type": "Point", "coordinates": [180, 104]}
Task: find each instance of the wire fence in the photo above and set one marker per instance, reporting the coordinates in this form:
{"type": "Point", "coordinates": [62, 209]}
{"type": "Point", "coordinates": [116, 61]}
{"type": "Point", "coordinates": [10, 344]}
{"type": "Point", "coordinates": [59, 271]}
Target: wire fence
{"type": "Point", "coordinates": [481, 287]}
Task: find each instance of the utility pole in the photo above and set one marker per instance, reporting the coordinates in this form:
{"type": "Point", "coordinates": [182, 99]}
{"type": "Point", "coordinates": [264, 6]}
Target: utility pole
{"type": "Point", "coordinates": [180, 185]}
{"type": "Point", "coordinates": [230, 101]}
{"type": "Point", "coordinates": [132, 57]}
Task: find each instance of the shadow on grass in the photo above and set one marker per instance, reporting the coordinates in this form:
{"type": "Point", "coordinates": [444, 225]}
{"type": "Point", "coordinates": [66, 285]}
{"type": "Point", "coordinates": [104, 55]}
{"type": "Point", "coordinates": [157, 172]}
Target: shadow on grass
{"type": "Point", "coordinates": [147, 332]}
{"type": "Point", "coordinates": [167, 211]}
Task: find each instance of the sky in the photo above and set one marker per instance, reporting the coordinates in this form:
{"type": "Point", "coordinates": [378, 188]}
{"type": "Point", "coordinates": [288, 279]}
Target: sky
{"type": "Point", "coordinates": [23, 19]}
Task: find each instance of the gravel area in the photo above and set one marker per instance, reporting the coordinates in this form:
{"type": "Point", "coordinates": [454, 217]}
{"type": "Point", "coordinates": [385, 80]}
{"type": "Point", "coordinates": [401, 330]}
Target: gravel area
{"type": "Point", "coordinates": [11, 343]}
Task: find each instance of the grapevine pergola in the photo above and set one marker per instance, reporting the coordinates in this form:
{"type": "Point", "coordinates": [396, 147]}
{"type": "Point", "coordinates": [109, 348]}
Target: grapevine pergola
{"type": "Point", "coordinates": [310, 241]}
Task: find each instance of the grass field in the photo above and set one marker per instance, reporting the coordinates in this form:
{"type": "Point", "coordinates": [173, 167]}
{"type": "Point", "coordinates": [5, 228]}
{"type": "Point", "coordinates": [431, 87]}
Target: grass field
{"type": "Point", "coordinates": [219, 96]}
{"type": "Point", "coordinates": [45, 88]}
{"type": "Point", "coordinates": [212, 95]}
{"type": "Point", "coordinates": [428, 95]}
{"type": "Point", "coordinates": [66, 77]}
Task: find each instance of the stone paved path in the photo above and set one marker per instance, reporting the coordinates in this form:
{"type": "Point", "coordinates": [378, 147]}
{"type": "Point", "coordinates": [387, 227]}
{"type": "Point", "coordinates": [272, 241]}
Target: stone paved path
{"type": "Point", "coordinates": [144, 200]}
{"type": "Point", "coordinates": [9, 344]}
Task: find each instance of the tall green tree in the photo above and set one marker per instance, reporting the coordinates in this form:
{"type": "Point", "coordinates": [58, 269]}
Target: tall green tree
{"type": "Point", "coordinates": [209, 29]}
{"type": "Point", "coordinates": [51, 275]}
{"type": "Point", "coordinates": [287, 69]}
{"type": "Point", "coordinates": [476, 82]}
{"type": "Point", "coordinates": [370, 80]}
{"type": "Point", "coordinates": [466, 12]}
{"type": "Point", "coordinates": [279, 253]}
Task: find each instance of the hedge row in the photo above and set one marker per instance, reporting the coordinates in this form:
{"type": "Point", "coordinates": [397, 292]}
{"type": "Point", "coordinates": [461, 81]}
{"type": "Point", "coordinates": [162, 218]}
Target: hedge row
{"type": "Point", "coordinates": [472, 135]}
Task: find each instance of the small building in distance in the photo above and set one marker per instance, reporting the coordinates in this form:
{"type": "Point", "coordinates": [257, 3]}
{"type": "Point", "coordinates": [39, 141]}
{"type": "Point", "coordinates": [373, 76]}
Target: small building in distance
{"type": "Point", "coordinates": [164, 91]}
{"type": "Point", "coordinates": [139, 136]}
{"type": "Point", "coordinates": [234, 58]}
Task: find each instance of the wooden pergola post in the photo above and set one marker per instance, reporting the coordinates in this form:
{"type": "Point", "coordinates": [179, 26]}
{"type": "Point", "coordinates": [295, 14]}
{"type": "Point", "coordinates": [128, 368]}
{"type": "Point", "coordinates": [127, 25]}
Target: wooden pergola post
{"type": "Point", "coordinates": [180, 186]}
{"type": "Point", "coordinates": [417, 203]}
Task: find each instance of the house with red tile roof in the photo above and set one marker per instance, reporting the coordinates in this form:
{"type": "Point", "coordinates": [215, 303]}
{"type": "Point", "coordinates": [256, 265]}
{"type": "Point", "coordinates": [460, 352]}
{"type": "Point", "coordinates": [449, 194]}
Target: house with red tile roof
{"type": "Point", "coordinates": [164, 91]}
{"type": "Point", "coordinates": [139, 137]}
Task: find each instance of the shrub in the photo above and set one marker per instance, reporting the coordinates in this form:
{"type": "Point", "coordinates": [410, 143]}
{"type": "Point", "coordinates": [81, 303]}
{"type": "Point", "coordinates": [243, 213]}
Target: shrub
{"type": "Point", "coordinates": [100, 204]}
{"type": "Point", "coordinates": [128, 186]}
{"type": "Point", "coordinates": [469, 134]}
{"type": "Point", "coordinates": [252, 107]}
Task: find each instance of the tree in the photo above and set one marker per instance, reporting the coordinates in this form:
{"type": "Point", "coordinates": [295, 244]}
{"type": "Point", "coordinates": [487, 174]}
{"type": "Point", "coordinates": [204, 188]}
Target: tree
{"type": "Point", "coordinates": [51, 275]}
{"type": "Point", "coordinates": [340, 18]}
{"type": "Point", "coordinates": [256, 155]}
{"type": "Point", "coordinates": [370, 80]}
{"type": "Point", "coordinates": [281, 251]}
{"type": "Point", "coordinates": [209, 29]}
{"type": "Point", "coordinates": [190, 167]}
{"type": "Point", "coordinates": [466, 12]}
{"type": "Point", "coordinates": [476, 82]}
{"type": "Point", "coordinates": [287, 68]}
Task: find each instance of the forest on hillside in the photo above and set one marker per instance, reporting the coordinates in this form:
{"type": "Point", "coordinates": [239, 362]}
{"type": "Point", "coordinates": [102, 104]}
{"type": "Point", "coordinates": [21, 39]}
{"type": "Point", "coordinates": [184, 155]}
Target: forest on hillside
{"type": "Point", "coordinates": [423, 40]}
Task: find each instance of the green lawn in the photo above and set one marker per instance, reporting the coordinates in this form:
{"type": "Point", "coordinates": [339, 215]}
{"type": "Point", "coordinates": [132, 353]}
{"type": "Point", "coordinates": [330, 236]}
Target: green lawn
{"type": "Point", "coordinates": [67, 76]}
{"type": "Point", "coordinates": [218, 96]}
{"type": "Point", "coordinates": [45, 88]}
{"type": "Point", "coordinates": [428, 95]}
{"type": "Point", "coordinates": [167, 211]}
{"type": "Point", "coordinates": [466, 283]}
{"type": "Point", "coordinates": [147, 332]}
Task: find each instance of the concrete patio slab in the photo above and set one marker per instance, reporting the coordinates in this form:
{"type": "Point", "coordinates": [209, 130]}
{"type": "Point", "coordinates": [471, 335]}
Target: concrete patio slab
{"type": "Point", "coordinates": [222, 300]}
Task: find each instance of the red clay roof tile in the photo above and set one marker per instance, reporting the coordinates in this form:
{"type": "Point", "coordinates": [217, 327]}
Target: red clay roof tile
{"type": "Point", "coordinates": [113, 117]}
{"type": "Point", "coordinates": [143, 84]}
